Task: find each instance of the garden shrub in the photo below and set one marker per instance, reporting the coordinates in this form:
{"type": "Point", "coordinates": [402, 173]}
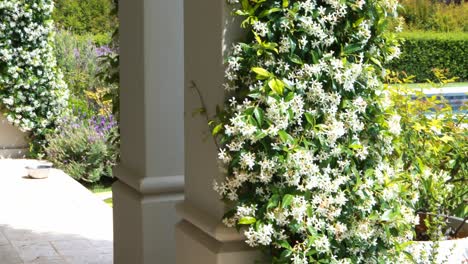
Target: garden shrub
{"type": "Point", "coordinates": [430, 15]}
{"type": "Point", "coordinates": [87, 17]}
{"type": "Point", "coordinates": [85, 148]}
{"type": "Point", "coordinates": [79, 60]}
{"type": "Point", "coordinates": [32, 91]}
{"type": "Point", "coordinates": [434, 147]}
{"type": "Point", "coordinates": [306, 134]}
{"type": "Point", "coordinates": [110, 70]}
{"type": "Point", "coordinates": [421, 52]}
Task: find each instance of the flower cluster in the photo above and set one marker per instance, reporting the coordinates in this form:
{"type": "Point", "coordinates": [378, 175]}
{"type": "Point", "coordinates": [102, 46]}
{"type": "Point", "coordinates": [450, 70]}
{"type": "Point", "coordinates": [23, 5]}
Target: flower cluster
{"type": "Point", "coordinates": [307, 135]}
{"type": "Point", "coordinates": [31, 87]}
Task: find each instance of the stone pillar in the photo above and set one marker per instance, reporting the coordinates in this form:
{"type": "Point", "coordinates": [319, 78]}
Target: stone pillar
{"type": "Point", "coordinates": [150, 176]}
{"type": "Point", "coordinates": [200, 236]}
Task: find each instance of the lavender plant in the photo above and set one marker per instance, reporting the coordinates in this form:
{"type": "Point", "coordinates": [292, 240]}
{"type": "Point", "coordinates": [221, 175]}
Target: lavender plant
{"type": "Point", "coordinates": [85, 147]}
{"type": "Point", "coordinates": [307, 134]}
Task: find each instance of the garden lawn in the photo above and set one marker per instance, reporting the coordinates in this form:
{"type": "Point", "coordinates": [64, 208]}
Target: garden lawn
{"type": "Point", "coordinates": [455, 84]}
{"type": "Point", "coordinates": [102, 189]}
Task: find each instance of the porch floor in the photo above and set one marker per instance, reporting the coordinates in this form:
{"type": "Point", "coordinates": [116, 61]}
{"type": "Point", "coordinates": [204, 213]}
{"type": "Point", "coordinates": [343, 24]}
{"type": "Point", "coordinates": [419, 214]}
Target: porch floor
{"type": "Point", "coordinates": [51, 221]}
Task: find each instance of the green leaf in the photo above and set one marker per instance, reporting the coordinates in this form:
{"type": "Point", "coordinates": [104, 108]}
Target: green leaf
{"type": "Point", "coordinates": [276, 85]}
{"type": "Point", "coordinates": [289, 97]}
{"type": "Point", "coordinates": [287, 200]}
{"type": "Point", "coordinates": [355, 146]}
{"type": "Point", "coordinates": [358, 177]}
{"type": "Point", "coordinates": [270, 46]}
{"type": "Point", "coordinates": [285, 3]}
{"type": "Point", "coordinates": [349, 49]}
{"type": "Point", "coordinates": [285, 137]}
{"type": "Point", "coordinates": [241, 13]}
{"type": "Point", "coordinates": [269, 12]}
{"type": "Point", "coordinates": [258, 39]}
{"type": "Point", "coordinates": [260, 134]}
{"type": "Point", "coordinates": [285, 244]}
{"type": "Point", "coordinates": [358, 22]}
{"type": "Point", "coordinates": [285, 254]}
{"type": "Point", "coordinates": [247, 220]}
{"type": "Point", "coordinates": [259, 114]}
{"type": "Point", "coordinates": [310, 118]}
{"type": "Point", "coordinates": [376, 61]}
{"type": "Point", "coordinates": [296, 59]}
{"type": "Point", "coordinates": [262, 74]}
{"type": "Point", "coordinates": [386, 216]}
{"type": "Point", "coordinates": [217, 129]}
{"type": "Point", "coordinates": [245, 5]}
{"type": "Point", "coordinates": [273, 202]}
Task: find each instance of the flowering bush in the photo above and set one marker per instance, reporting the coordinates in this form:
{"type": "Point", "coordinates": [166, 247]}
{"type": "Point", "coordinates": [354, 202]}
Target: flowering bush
{"type": "Point", "coordinates": [79, 59]}
{"type": "Point", "coordinates": [433, 144]}
{"type": "Point", "coordinates": [85, 148]}
{"type": "Point", "coordinates": [307, 133]}
{"type": "Point", "coordinates": [31, 86]}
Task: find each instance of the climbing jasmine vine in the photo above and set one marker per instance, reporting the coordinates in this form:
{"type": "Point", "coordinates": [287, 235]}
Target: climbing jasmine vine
{"type": "Point", "coordinates": [32, 92]}
{"type": "Point", "coordinates": [306, 135]}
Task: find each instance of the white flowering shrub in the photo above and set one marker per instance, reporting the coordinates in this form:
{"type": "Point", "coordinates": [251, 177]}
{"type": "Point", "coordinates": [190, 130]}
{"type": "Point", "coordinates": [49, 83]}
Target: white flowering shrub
{"type": "Point", "coordinates": [31, 87]}
{"type": "Point", "coordinates": [307, 133]}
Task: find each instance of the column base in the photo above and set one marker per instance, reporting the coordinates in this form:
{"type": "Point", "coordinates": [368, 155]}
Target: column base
{"type": "Point", "coordinates": [196, 247]}
{"type": "Point", "coordinates": [144, 226]}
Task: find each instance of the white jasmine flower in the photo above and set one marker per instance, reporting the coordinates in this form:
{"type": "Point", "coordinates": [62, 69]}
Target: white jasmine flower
{"type": "Point", "coordinates": [394, 125]}
{"type": "Point", "coordinates": [247, 160]}
{"type": "Point", "coordinates": [260, 28]}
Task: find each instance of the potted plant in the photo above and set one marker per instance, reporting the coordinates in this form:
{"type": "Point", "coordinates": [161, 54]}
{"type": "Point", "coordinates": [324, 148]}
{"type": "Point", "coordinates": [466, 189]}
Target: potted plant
{"type": "Point", "coordinates": [433, 145]}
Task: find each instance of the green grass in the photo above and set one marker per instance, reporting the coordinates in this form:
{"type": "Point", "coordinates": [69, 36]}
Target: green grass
{"type": "Point", "coordinates": [105, 185]}
{"type": "Point", "coordinates": [455, 84]}
{"type": "Point", "coordinates": [428, 85]}
{"type": "Point", "coordinates": [100, 189]}
{"type": "Point", "coordinates": [109, 202]}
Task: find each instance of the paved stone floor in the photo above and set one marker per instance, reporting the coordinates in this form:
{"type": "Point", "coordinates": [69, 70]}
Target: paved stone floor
{"type": "Point", "coordinates": [51, 221]}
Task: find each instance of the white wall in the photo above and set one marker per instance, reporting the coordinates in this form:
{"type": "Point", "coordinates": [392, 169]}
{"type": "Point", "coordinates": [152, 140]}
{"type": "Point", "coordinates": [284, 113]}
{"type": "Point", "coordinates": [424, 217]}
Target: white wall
{"type": "Point", "coordinates": [13, 143]}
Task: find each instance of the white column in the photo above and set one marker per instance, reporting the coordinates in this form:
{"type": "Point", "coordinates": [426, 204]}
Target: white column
{"type": "Point", "coordinates": [200, 236]}
{"type": "Point", "coordinates": [150, 176]}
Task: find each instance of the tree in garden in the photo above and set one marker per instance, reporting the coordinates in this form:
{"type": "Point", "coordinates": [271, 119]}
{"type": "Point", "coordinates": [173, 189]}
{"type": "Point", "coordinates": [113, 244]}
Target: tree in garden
{"type": "Point", "coordinates": [307, 134]}
{"type": "Point", "coordinates": [32, 91]}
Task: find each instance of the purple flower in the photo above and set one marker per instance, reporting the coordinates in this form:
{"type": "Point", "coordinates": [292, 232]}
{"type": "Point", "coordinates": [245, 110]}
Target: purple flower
{"type": "Point", "coordinates": [103, 50]}
{"type": "Point", "coordinates": [76, 52]}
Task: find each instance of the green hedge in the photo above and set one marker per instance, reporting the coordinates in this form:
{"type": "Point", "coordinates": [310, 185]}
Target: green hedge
{"type": "Point", "coordinates": [424, 51]}
{"type": "Point", "coordinates": [84, 17]}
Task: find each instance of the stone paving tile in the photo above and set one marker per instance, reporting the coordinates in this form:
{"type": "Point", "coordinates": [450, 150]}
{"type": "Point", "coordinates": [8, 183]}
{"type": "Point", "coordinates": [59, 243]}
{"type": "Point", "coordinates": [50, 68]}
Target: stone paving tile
{"type": "Point", "coordinates": [80, 258]}
{"type": "Point", "coordinates": [47, 260]}
{"type": "Point", "coordinates": [51, 221]}
{"type": "Point", "coordinates": [3, 239]}
{"type": "Point", "coordinates": [64, 245]}
{"type": "Point", "coordinates": [34, 251]}
{"type": "Point", "coordinates": [8, 255]}
{"type": "Point", "coordinates": [18, 234]}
